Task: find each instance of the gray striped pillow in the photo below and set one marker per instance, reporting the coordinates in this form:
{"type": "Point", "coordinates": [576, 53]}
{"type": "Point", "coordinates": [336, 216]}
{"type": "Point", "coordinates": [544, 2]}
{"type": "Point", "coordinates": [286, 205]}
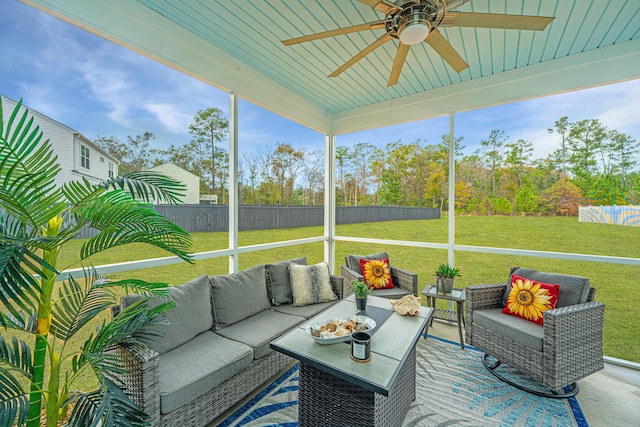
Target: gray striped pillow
{"type": "Point", "coordinates": [310, 284]}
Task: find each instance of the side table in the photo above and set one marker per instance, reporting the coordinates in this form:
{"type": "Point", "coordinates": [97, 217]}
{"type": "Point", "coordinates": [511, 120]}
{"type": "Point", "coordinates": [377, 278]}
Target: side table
{"type": "Point", "coordinates": [457, 295]}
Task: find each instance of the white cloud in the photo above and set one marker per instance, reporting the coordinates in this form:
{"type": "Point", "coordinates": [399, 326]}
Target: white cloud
{"type": "Point", "coordinates": [171, 116]}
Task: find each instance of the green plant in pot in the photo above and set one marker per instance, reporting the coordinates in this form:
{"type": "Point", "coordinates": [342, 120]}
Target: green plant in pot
{"type": "Point", "coordinates": [445, 274]}
{"type": "Point", "coordinates": [361, 290]}
{"type": "Point", "coordinates": [44, 313]}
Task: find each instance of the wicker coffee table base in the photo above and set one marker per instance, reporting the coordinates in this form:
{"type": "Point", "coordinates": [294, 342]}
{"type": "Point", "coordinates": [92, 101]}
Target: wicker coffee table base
{"type": "Point", "coordinates": [326, 400]}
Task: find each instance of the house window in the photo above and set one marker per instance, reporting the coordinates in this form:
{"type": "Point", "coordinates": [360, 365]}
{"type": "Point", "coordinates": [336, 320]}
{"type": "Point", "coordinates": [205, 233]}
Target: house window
{"type": "Point", "coordinates": [84, 156]}
{"type": "Point", "coordinates": [111, 168]}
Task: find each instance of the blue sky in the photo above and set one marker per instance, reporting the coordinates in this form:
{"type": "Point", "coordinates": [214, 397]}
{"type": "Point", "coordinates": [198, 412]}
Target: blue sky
{"type": "Point", "coordinates": [99, 88]}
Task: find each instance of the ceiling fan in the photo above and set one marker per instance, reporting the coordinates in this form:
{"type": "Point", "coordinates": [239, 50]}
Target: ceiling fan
{"type": "Point", "coordinates": [416, 21]}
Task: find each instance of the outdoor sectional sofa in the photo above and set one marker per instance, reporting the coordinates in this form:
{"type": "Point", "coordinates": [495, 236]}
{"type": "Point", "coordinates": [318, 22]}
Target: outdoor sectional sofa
{"type": "Point", "coordinates": [215, 351]}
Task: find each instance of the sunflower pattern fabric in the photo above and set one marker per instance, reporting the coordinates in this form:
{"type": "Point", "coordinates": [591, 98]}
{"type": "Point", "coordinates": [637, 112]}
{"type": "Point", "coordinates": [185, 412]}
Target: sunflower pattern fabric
{"type": "Point", "coordinates": [376, 273]}
{"type": "Point", "coordinates": [529, 299]}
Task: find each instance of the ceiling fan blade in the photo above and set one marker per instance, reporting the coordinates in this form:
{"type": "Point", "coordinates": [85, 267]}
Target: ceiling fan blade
{"type": "Point", "coordinates": [381, 5]}
{"type": "Point", "coordinates": [376, 25]}
{"type": "Point", "coordinates": [373, 46]}
{"type": "Point", "coordinates": [445, 50]}
{"type": "Point", "coordinates": [401, 55]}
{"type": "Point", "coordinates": [496, 20]}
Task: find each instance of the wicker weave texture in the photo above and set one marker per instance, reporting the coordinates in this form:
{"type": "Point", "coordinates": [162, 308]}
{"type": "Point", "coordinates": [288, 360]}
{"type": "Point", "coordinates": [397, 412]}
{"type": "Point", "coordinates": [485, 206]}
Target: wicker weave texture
{"type": "Point", "coordinates": [572, 343]}
{"type": "Point", "coordinates": [327, 401]}
{"type": "Point", "coordinates": [401, 278]}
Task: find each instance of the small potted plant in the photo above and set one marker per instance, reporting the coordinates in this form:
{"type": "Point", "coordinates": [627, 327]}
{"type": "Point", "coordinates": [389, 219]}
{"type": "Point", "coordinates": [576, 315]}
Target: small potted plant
{"type": "Point", "coordinates": [361, 289]}
{"type": "Point", "coordinates": [444, 278]}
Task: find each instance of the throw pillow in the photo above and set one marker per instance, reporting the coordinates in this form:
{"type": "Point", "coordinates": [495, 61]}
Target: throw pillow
{"type": "Point", "coordinates": [278, 281]}
{"type": "Point", "coordinates": [239, 295]}
{"type": "Point", "coordinates": [353, 261]}
{"type": "Point", "coordinates": [310, 284]}
{"type": "Point", "coordinates": [529, 299]}
{"type": "Point", "coordinates": [376, 273]}
{"type": "Point", "coordinates": [575, 289]}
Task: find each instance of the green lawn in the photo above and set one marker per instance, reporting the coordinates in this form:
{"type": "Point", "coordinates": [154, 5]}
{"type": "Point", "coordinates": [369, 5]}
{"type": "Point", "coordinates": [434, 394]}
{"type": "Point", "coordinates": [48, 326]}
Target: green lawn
{"type": "Point", "coordinates": [616, 284]}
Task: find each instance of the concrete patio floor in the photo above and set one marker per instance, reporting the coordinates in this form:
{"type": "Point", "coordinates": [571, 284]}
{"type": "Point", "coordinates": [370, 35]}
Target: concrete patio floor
{"type": "Point", "coordinates": [609, 398]}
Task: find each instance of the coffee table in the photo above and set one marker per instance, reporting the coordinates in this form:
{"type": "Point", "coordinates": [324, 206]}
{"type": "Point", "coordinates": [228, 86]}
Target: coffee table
{"type": "Point", "coordinates": [334, 390]}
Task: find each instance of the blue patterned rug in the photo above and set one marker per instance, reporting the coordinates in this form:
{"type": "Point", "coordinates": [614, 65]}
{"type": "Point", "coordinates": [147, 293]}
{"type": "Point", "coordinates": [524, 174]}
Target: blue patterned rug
{"type": "Point", "coordinates": [453, 388]}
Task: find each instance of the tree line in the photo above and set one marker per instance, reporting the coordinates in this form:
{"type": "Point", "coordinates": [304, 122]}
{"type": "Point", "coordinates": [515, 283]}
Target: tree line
{"type": "Point", "coordinates": [592, 165]}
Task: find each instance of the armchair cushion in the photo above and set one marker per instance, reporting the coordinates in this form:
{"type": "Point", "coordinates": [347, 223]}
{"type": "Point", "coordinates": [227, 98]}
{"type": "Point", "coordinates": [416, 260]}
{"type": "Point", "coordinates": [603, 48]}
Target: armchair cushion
{"type": "Point", "coordinates": [573, 289]}
{"type": "Point", "coordinates": [512, 328]}
{"type": "Point", "coordinates": [529, 299]}
{"type": "Point", "coordinates": [311, 284]}
{"type": "Point", "coordinates": [353, 261]}
{"type": "Point", "coordinates": [376, 273]}
{"type": "Point", "coordinates": [190, 317]}
{"type": "Point", "coordinates": [279, 281]}
{"type": "Point", "coordinates": [239, 295]}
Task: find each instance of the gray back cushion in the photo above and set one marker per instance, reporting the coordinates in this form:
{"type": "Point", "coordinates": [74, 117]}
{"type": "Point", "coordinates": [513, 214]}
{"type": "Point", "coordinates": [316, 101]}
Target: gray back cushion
{"type": "Point", "coordinates": [239, 295]}
{"type": "Point", "coordinates": [191, 316]}
{"type": "Point", "coordinates": [278, 281]}
{"type": "Point", "coordinates": [573, 289]}
{"type": "Point", "coordinates": [353, 261]}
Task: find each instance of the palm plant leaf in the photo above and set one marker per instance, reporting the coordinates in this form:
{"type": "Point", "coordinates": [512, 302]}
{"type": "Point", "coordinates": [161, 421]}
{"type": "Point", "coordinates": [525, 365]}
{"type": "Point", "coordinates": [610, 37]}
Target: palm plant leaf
{"type": "Point", "coordinates": [78, 304]}
{"type": "Point", "coordinates": [149, 186]}
{"type": "Point", "coordinates": [18, 355]}
{"type": "Point", "coordinates": [27, 173]}
{"type": "Point", "coordinates": [14, 400]}
{"type": "Point", "coordinates": [21, 322]}
{"type": "Point", "coordinates": [124, 222]}
{"type": "Point", "coordinates": [138, 286]}
{"type": "Point", "coordinates": [108, 405]}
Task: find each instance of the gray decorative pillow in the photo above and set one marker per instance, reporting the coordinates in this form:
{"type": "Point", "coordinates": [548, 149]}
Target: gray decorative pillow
{"type": "Point", "coordinates": [573, 289]}
{"type": "Point", "coordinates": [353, 261]}
{"type": "Point", "coordinates": [310, 284]}
{"type": "Point", "coordinates": [279, 282]}
{"type": "Point", "coordinates": [191, 316]}
{"type": "Point", "coordinates": [239, 295]}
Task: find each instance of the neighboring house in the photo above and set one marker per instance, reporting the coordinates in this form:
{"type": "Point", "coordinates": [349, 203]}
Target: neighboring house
{"type": "Point", "coordinates": [78, 157]}
{"type": "Point", "coordinates": [191, 181]}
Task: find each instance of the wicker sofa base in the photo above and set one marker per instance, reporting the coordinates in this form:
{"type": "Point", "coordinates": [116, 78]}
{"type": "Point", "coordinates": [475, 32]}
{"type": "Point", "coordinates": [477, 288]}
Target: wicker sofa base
{"type": "Point", "coordinates": [328, 401]}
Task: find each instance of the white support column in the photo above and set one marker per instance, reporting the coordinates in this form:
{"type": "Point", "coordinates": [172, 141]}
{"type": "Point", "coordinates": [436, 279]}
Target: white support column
{"type": "Point", "coordinates": [452, 189]}
{"type": "Point", "coordinates": [233, 182]}
{"type": "Point", "coordinates": [330, 200]}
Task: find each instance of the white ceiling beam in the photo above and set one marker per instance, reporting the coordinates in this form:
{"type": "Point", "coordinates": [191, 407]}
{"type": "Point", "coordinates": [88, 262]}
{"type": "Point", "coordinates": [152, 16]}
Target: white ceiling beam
{"type": "Point", "coordinates": [136, 27]}
{"type": "Point", "coordinates": [597, 67]}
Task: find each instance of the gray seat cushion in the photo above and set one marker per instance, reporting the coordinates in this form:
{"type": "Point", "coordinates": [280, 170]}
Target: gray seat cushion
{"type": "Point", "coordinates": [278, 281]}
{"type": "Point", "coordinates": [260, 329]}
{"type": "Point", "coordinates": [306, 311]}
{"type": "Point", "coordinates": [353, 261]}
{"type": "Point", "coordinates": [513, 328]}
{"type": "Point", "coordinates": [191, 316]}
{"type": "Point", "coordinates": [573, 289]}
{"type": "Point", "coordinates": [394, 293]}
{"type": "Point", "coordinates": [197, 366]}
{"type": "Point", "coordinates": [239, 295]}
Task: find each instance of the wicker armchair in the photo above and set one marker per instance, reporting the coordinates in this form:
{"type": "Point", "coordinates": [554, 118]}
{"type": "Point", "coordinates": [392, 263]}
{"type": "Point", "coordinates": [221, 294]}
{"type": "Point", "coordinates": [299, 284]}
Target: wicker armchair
{"type": "Point", "coordinates": [405, 282]}
{"type": "Point", "coordinates": [567, 348]}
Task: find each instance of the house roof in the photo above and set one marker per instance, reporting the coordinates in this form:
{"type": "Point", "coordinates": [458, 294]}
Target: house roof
{"type": "Point", "coordinates": [84, 139]}
{"type": "Point", "coordinates": [236, 46]}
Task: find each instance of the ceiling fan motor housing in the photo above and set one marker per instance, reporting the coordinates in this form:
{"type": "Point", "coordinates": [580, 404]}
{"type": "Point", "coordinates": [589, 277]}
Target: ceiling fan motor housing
{"type": "Point", "coordinates": [412, 23]}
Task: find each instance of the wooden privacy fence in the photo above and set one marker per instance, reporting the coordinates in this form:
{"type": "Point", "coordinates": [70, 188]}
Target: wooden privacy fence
{"type": "Point", "coordinates": [193, 218]}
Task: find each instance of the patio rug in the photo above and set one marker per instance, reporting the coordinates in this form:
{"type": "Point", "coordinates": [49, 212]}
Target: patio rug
{"type": "Point", "coordinates": [453, 388]}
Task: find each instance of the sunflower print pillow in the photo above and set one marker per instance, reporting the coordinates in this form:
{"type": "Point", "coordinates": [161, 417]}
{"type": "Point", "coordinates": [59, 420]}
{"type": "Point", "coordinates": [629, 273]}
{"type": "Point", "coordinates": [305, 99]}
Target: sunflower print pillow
{"type": "Point", "coordinates": [529, 299]}
{"type": "Point", "coordinates": [376, 273]}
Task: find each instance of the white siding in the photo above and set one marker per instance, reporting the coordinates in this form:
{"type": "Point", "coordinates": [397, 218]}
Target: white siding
{"type": "Point", "coordinates": [191, 181]}
{"type": "Point", "coordinates": [65, 143]}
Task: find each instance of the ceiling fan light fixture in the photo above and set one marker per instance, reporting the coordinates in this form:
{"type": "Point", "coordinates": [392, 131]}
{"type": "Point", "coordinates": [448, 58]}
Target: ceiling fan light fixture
{"type": "Point", "coordinates": [413, 25]}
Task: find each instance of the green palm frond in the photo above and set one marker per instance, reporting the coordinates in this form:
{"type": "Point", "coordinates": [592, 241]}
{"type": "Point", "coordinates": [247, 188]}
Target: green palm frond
{"type": "Point", "coordinates": [19, 288]}
{"type": "Point", "coordinates": [16, 354]}
{"type": "Point", "coordinates": [78, 304]}
{"type": "Point", "coordinates": [28, 169]}
{"type": "Point", "coordinates": [149, 186]}
{"type": "Point", "coordinates": [138, 286]}
{"type": "Point", "coordinates": [108, 405]}
{"type": "Point", "coordinates": [14, 400]}
{"type": "Point", "coordinates": [22, 322]}
{"type": "Point", "coordinates": [137, 224]}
